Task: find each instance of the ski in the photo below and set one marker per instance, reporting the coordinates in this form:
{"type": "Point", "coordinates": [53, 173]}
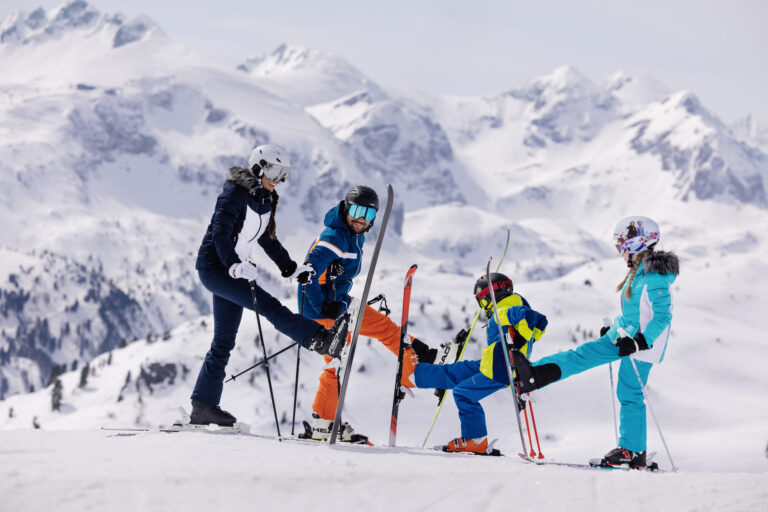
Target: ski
{"type": "Point", "coordinates": [363, 302]}
{"type": "Point", "coordinates": [399, 392]}
{"type": "Point", "coordinates": [493, 453]}
{"type": "Point", "coordinates": [592, 464]}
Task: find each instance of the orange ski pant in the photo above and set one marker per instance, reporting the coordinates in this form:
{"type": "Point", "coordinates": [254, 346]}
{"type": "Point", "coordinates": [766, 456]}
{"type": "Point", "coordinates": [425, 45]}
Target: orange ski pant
{"type": "Point", "coordinates": [375, 325]}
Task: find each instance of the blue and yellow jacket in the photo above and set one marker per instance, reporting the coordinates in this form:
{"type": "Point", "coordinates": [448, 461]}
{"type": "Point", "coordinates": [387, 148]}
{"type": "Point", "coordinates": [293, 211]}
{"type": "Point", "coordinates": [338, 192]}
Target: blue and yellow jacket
{"type": "Point", "coordinates": [337, 242]}
{"type": "Point", "coordinates": [518, 321]}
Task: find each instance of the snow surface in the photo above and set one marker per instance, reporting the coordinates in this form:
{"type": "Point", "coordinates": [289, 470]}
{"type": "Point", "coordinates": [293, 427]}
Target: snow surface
{"type": "Point", "coordinates": [98, 470]}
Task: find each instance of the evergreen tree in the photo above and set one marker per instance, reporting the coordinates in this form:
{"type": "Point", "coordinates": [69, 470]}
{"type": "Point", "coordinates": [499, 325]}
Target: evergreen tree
{"type": "Point", "coordinates": [35, 423]}
{"type": "Point", "coordinates": [122, 343]}
{"type": "Point", "coordinates": [56, 394]}
{"type": "Point", "coordinates": [84, 375]}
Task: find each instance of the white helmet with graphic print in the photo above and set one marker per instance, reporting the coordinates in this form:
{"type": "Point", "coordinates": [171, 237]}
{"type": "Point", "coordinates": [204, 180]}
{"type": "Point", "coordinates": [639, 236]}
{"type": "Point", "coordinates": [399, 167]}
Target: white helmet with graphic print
{"type": "Point", "coordinates": [270, 161]}
{"type": "Point", "coordinates": [635, 234]}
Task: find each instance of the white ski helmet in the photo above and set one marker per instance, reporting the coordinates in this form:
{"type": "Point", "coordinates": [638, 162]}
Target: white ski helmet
{"type": "Point", "coordinates": [270, 161]}
{"type": "Point", "coordinates": [635, 234]}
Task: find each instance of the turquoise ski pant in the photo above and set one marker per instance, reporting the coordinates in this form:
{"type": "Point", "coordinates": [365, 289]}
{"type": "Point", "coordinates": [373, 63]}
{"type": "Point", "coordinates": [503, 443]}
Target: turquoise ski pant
{"type": "Point", "coordinates": [469, 387]}
{"type": "Point", "coordinates": [632, 426]}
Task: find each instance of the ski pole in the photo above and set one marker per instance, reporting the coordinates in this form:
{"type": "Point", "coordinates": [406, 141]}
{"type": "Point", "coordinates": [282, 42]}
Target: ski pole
{"type": "Point", "coordinates": [527, 426]}
{"type": "Point", "coordinates": [607, 323]}
{"type": "Point", "coordinates": [613, 404]}
{"type": "Point", "coordinates": [264, 349]}
{"type": "Point", "coordinates": [234, 377]}
{"type": "Point", "coordinates": [298, 361]}
{"type": "Point", "coordinates": [535, 430]}
{"type": "Point", "coordinates": [530, 406]}
{"type": "Point", "coordinates": [653, 415]}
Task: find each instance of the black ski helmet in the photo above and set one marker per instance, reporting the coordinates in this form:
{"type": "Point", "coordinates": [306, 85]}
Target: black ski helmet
{"type": "Point", "coordinates": [362, 196]}
{"type": "Point", "coordinates": [502, 288]}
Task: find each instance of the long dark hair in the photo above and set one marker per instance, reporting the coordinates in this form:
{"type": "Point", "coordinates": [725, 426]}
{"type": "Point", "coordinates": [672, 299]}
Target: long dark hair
{"type": "Point", "coordinates": [271, 226]}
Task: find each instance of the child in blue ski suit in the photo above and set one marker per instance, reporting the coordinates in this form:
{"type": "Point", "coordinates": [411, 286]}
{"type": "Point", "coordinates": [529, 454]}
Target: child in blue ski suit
{"type": "Point", "coordinates": [471, 381]}
{"type": "Point", "coordinates": [641, 332]}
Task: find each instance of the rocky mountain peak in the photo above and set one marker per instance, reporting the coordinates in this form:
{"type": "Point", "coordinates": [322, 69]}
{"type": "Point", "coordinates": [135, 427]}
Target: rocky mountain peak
{"type": "Point", "coordinates": [76, 17]}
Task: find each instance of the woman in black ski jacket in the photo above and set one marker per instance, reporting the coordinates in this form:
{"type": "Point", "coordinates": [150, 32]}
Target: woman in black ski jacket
{"type": "Point", "coordinates": [244, 218]}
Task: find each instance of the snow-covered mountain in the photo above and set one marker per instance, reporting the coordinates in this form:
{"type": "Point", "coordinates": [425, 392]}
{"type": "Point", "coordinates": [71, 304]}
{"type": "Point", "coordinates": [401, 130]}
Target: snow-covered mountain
{"type": "Point", "coordinates": [114, 141]}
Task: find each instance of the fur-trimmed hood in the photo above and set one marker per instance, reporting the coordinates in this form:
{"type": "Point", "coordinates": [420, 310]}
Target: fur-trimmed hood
{"type": "Point", "coordinates": [661, 262]}
{"type": "Point", "coordinates": [244, 178]}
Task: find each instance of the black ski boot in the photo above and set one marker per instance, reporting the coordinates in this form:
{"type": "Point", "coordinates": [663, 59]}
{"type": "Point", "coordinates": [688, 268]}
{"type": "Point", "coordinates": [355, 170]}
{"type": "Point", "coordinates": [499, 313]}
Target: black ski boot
{"type": "Point", "coordinates": [330, 342]}
{"type": "Point", "coordinates": [620, 456]}
{"type": "Point", "coordinates": [423, 352]}
{"type": "Point", "coordinates": [530, 377]}
{"type": "Point", "coordinates": [205, 414]}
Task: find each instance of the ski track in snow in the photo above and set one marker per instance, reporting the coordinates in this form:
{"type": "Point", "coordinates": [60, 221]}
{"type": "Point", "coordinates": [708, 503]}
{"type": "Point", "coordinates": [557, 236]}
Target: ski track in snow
{"type": "Point", "coordinates": [153, 471]}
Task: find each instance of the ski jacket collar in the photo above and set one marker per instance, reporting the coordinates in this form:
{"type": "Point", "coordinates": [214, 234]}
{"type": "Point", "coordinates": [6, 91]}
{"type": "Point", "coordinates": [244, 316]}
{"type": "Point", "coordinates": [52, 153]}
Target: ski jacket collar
{"type": "Point", "coordinates": [661, 262]}
{"type": "Point", "coordinates": [335, 219]}
{"type": "Point", "coordinates": [244, 178]}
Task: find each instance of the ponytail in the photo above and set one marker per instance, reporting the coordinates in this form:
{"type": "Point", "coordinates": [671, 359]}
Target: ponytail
{"type": "Point", "coordinates": [631, 273]}
{"type": "Point", "coordinates": [271, 226]}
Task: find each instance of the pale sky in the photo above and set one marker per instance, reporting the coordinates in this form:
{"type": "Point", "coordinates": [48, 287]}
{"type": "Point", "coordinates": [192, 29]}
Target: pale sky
{"type": "Point", "coordinates": [717, 49]}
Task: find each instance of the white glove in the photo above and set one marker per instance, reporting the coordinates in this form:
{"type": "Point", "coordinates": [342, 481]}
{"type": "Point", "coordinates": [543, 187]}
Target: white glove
{"type": "Point", "coordinates": [303, 274]}
{"type": "Point", "coordinates": [243, 271]}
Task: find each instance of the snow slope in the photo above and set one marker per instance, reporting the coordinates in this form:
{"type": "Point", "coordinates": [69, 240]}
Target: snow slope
{"type": "Point", "coordinates": [87, 470]}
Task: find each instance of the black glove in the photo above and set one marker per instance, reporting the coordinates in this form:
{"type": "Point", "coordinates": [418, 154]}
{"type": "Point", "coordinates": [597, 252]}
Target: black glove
{"type": "Point", "coordinates": [335, 269]}
{"type": "Point", "coordinates": [289, 269]}
{"type": "Point", "coordinates": [604, 329]}
{"type": "Point", "coordinates": [305, 277]}
{"type": "Point", "coordinates": [627, 345]}
{"type": "Point", "coordinates": [332, 309]}
{"type": "Point", "coordinates": [518, 341]}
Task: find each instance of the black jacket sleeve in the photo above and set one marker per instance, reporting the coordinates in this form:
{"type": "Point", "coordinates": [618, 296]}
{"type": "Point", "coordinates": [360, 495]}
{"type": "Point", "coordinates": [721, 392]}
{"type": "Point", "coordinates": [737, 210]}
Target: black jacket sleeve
{"type": "Point", "coordinates": [229, 206]}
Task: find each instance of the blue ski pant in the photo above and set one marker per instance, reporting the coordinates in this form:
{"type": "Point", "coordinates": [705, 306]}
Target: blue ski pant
{"type": "Point", "coordinates": [469, 387]}
{"type": "Point", "coordinates": [632, 421]}
{"type": "Point", "coordinates": [230, 296]}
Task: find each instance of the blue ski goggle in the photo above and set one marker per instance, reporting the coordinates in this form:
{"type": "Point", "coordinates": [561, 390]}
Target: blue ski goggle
{"type": "Point", "coordinates": [366, 212]}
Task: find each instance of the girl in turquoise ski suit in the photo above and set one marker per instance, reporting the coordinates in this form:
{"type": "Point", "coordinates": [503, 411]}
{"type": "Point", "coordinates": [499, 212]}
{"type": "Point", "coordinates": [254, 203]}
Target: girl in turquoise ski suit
{"type": "Point", "coordinates": [641, 332]}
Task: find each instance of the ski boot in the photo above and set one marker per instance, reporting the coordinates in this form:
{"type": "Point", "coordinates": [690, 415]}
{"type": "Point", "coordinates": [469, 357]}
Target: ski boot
{"type": "Point", "coordinates": [320, 430]}
{"type": "Point", "coordinates": [330, 342]}
{"type": "Point", "coordinates": [530, 377]}
{"type": "Point", "coordinates": [448, 353]}
{"type": "Point", "coordinates": [205, 414]}
{"type": "Point", "coordinates": [620, 457]}
{"type": "Point", "coordinates": [425, 354]}
{"type": "Point", "coordinates": [477, 446]}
